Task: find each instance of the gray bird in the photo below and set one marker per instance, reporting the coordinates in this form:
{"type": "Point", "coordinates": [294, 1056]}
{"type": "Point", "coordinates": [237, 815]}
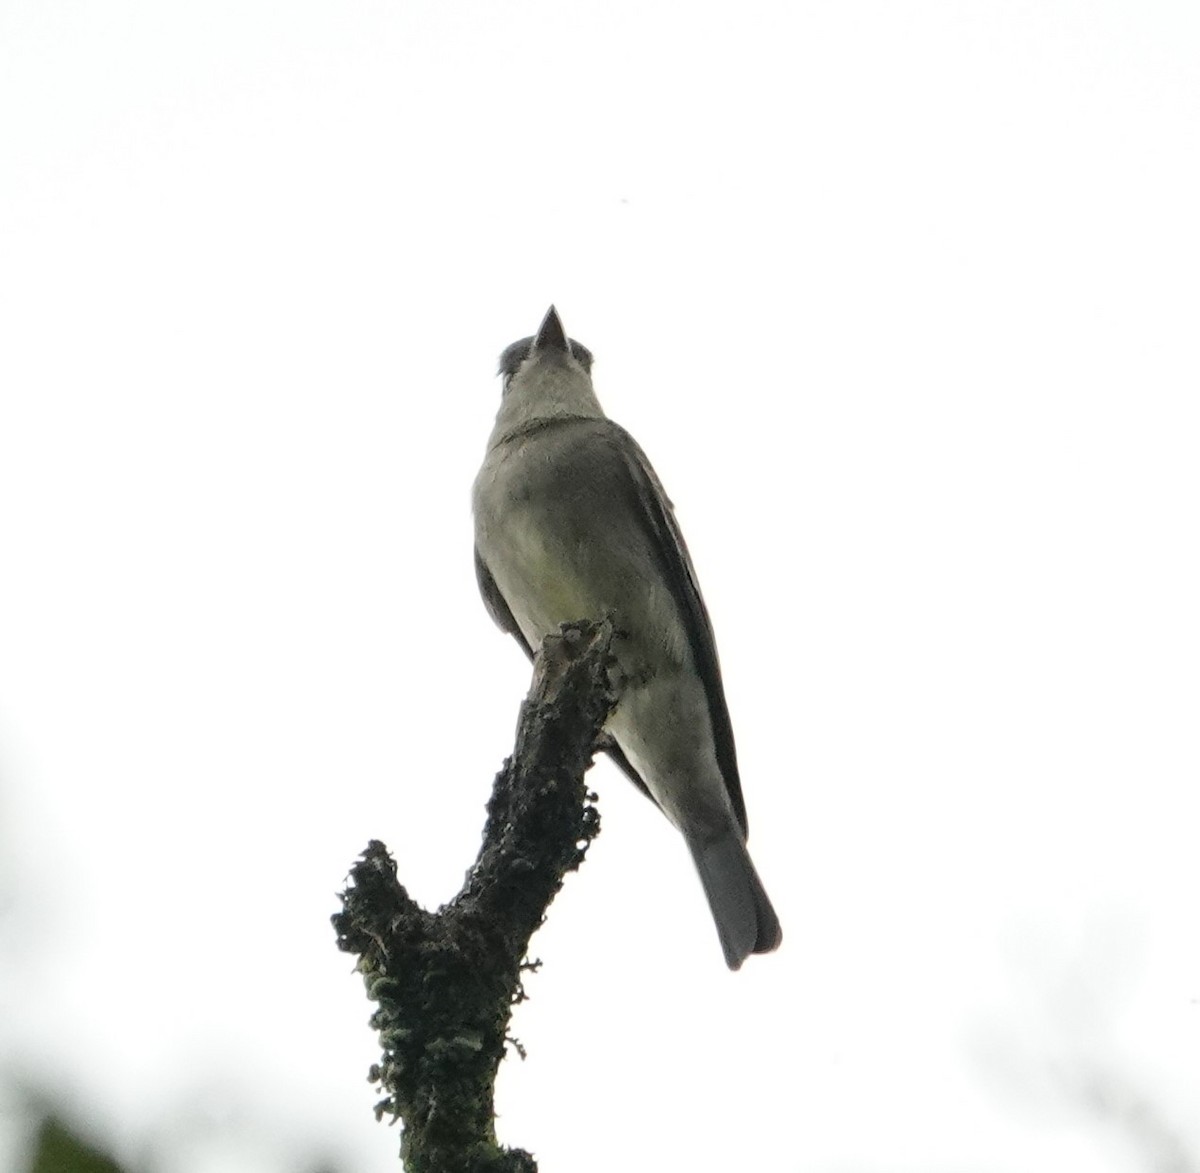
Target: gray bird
{"type": "Point", "coordinates": [572, 523]}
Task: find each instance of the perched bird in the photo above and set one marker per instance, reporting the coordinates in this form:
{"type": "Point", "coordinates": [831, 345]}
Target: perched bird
{"type": "Point", "coordinates": [572, 523]}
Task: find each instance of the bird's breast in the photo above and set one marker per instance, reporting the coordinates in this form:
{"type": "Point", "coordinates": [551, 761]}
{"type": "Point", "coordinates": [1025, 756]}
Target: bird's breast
{"type": "Point", "coordinates": [561, 550]}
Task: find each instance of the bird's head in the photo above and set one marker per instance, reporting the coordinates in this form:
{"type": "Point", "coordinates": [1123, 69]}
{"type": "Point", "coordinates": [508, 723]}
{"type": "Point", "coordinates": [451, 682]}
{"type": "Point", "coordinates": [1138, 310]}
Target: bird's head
{"type": "Point", "coordinates": [549, 343]}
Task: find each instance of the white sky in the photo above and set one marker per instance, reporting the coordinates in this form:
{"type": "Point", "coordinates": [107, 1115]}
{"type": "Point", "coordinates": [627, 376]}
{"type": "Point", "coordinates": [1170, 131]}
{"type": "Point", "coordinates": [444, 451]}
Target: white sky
{"type": "Point", "coordinates": [902, 300]}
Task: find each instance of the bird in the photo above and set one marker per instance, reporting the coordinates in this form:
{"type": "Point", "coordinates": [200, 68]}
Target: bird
{"type": "Point", "coordinates": [571, 523]}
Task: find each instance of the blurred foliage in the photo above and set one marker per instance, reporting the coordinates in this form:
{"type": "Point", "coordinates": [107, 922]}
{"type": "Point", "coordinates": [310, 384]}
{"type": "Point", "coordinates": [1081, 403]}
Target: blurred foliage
{"type": "Point", "coordinates": [57, 1150]}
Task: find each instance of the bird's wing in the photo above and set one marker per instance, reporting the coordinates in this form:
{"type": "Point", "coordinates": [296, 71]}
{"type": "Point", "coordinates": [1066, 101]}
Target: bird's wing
{"type": "Point", "coordinates": [655, 512]}
{"type": "Point", "coordinates": [497, 608]}
{"type": "Point", "coordinates": [502, 614]}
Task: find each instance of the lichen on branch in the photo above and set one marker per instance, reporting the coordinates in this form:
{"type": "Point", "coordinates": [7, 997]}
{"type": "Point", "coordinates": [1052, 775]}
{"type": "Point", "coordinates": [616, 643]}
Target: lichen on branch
{"type": "Point", "coordinates": [445, 983]}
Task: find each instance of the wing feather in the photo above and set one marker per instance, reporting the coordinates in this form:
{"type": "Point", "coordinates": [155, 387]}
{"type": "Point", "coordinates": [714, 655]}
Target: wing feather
{"type": "Point", "coordinates": [658, 516]}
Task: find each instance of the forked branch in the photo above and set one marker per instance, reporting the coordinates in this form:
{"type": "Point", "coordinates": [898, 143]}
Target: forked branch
{"type": "Point", "coordinates": [445, 982]}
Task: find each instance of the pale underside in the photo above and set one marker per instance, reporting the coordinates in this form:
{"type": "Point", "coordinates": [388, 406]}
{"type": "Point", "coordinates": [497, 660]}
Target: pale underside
{"type": "Point", "coordinates": [566, 533]}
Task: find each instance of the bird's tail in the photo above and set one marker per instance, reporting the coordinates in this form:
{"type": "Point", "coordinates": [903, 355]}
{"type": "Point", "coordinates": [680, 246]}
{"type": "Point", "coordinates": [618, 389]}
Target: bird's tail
{"type": "Point", "coordinates": [746, 922]}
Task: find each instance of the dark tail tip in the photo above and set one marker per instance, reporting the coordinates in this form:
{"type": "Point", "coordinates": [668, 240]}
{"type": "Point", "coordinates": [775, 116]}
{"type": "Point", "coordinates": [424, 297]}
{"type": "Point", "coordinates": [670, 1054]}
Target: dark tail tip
{"type": "Point", "coordinates": [746, 922]}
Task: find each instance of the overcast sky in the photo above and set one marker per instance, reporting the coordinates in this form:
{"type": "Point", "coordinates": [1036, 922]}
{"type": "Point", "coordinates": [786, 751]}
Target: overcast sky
{"type": "Point", "coordinates": [902, 301]}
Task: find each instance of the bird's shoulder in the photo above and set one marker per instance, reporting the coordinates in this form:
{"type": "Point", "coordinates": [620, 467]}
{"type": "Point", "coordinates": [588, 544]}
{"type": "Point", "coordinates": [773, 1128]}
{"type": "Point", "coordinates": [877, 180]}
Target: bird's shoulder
{"type": "Point", "coordinates": [586, 449]}
{"type": "Point", "coordinates": [562, 430]}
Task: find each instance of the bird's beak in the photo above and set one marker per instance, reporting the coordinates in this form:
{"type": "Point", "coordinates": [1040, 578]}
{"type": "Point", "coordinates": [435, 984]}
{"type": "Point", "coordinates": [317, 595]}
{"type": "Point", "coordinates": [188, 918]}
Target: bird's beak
{"type": "Point", "coordinates": [551, 335]}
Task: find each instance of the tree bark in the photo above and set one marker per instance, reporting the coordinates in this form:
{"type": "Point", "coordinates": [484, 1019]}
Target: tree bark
{"type": "Point", "coordinates": [445, 982]}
